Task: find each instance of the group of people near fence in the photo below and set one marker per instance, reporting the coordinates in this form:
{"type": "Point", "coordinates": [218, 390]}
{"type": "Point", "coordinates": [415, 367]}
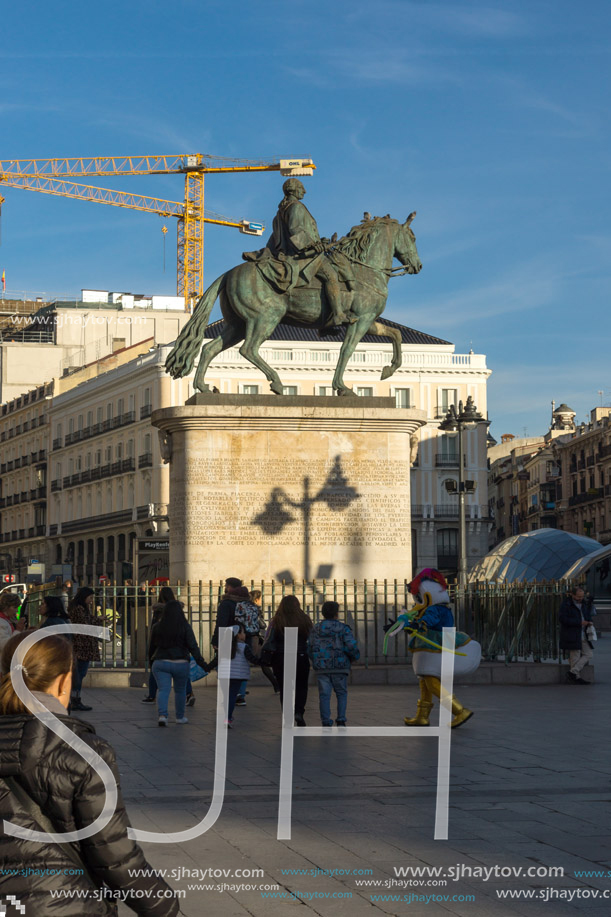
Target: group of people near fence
{"type": "Point", "coordinates": [330, 647]}
{"type": "Point", "coordinates": [46, 785]}
{"type": "Point", "coordinates": [56, 611]}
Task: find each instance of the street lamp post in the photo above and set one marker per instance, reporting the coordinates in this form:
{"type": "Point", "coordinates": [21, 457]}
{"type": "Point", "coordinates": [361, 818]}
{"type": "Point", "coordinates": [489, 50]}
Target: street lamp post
{"type": "Point", "coordinates": [455, 423]}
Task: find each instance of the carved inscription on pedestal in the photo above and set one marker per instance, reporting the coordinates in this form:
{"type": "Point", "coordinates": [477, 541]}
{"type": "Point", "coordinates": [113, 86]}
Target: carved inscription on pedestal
{"type": "Point", "coordinates": [288, 501]}
{"type": "Point", "coordinates": [287, 471]}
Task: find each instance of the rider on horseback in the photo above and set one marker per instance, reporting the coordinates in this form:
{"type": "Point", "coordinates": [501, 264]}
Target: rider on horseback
{"type": "Point", "coordinates": [295, 255]}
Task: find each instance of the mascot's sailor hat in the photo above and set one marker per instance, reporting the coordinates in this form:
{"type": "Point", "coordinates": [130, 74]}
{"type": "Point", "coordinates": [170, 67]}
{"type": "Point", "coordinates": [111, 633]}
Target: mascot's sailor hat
{"type": "Point", "coordinates": [431, 581]}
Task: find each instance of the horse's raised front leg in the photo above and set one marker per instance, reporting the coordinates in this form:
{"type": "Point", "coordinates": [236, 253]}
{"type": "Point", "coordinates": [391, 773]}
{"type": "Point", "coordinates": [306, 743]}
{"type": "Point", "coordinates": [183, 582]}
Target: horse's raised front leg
{"type": "Point", "coordinates": [388, 331]}
{"type": "Point", "coordinates": [257, 331]}
{"type": "Point", "coordinates": [354, 333]}
{"type": "Point", "coordinates": [229, 336]}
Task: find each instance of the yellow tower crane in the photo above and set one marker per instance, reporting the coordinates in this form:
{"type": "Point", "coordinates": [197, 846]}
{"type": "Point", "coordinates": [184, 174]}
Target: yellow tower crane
{"type": "Point", "coordinates": [51, 176]}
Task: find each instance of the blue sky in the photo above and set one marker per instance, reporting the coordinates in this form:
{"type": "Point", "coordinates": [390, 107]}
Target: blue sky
{"type": "Point", "coordinates": [489, 119]}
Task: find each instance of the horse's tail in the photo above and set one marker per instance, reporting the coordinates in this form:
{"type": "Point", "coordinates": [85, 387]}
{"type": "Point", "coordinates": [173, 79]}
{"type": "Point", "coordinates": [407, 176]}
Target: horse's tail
{"type": "Point", "coordinates": [182, 356]}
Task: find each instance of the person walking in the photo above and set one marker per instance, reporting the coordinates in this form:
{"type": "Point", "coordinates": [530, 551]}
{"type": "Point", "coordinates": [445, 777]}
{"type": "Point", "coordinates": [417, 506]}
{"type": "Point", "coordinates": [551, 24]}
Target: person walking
{"type": "Point", "coordinates": [238, 670]}
{"type": "Point", "coordinates": [81, 610]}
{"type": "Point", "coordinates": [66, 594]}
{"type": "Point", "coordinates": [166, 595]}
{"type": "Point", "coordinates": [577, 633]}
{"type": "Point", "coordinates": [46, 785]}
{"type": "Point", "coordinates": [332, 647]}
{"type": "Point", "coordinates": [171, 646]}
{"type": "Point", "coordinates": [290, 614]}
{"type": "Point", "coordinates": [246, 614]}
{"type": "Point", "coordinates": [256, 597]}
{"type": "Point", "coordinates": [225, 613]}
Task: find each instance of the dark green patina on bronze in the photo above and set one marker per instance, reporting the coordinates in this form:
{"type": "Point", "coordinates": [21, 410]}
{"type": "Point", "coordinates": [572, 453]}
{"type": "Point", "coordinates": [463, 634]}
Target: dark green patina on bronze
{"type": "Point", "coordinates": [301, 279]}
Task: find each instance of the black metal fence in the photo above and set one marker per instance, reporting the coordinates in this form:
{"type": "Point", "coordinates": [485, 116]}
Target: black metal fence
{"type": "Point", "coordinates": [517, 621]}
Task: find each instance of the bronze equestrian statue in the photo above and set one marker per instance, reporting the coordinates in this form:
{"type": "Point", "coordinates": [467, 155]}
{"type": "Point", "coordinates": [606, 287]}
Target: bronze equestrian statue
{"type": "Point", "coordinates": [300, 279]}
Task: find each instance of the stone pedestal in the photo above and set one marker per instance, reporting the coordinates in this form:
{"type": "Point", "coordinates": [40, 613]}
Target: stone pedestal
{"type": "Point", "coordinates": [264, 487]}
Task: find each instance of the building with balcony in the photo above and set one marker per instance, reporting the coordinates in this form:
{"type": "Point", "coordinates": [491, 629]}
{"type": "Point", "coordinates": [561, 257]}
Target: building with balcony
{"type": "Point", "coordinates": [61, 336]}
{"type": "Point", "coordinates": [524, 481]}
{"type": "Point", "coordinates": [432, 377]}
{"type": "Point", "coordinates": [24, 446]}
{"type": "Point", "coordinates": [107, 484]}
{"type": "Point", "coordinates": [584, 501]}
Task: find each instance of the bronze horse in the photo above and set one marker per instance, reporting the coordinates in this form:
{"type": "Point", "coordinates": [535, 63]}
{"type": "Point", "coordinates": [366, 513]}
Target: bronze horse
{"type": "Point", "coordinates": [252, 309]}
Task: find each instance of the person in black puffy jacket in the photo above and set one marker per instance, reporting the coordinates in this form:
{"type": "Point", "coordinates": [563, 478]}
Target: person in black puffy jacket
{"type": "Point", "coordinates": [39, 772]}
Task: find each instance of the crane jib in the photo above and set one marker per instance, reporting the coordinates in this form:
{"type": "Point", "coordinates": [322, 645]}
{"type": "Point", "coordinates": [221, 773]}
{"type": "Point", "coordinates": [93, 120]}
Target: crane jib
{"type": "Point", "coordinates": [49, 177]}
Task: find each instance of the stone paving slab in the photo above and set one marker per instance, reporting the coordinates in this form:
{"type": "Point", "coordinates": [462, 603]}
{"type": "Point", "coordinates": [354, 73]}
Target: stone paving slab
{"type": "Point", "coordinates": [529, 787]}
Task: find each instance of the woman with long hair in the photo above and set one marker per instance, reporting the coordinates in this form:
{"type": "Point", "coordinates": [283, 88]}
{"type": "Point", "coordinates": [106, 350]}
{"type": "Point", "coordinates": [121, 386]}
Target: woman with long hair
{"type": "Point", "coordinates": [171, 646]}
{"type": "Point", "coordinates": [290, 614]}
{"type": "Point", "coordinates": [53, 612]}
{"type": "Point", "coordinates": [44, 780]}
{"type": "Point", "coordinates": [86, 649]}
{"type": "Point", "coordinates": [166, 594]}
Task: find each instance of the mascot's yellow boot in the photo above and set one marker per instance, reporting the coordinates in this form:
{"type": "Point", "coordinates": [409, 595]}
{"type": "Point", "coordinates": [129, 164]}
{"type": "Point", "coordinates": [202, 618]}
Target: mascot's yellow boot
{"type": "Point", "coordinates": [460, 714]}
{"type": "Point", "coordinates": [425, 705]}
{"type": "Point", "coordinates": [422, 716]}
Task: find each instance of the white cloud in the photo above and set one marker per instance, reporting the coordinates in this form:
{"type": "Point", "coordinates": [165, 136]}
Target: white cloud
{"type": "Point", "coordinates": [528, 287]}
{"type": "Point", "coordinates": [521, 94]}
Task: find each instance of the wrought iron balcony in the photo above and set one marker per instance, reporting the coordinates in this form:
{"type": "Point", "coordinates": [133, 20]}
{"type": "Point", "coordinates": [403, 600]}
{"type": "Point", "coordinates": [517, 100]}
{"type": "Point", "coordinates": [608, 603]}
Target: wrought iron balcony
{"type": "Point", "coordinates": [444, 460]}
{"type": "Point", "coordinates": [595, 493]}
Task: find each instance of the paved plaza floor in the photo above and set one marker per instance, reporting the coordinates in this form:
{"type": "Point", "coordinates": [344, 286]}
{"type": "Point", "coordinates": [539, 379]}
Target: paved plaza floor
{"type": "Point", "coordinates": [529, 790]}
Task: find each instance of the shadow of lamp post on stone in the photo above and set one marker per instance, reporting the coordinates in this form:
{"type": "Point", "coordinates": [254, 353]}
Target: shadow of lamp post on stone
{"type": "Point", "coordinates": [336, 492]}
{"type": "Point", "coordinates": [454, 424]}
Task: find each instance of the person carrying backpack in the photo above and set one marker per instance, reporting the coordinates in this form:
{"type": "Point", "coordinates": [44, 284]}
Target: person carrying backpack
{"type": "Point", "coordinates": [332, 647]}
{"type": "Point", "coordinates": [246, 614]}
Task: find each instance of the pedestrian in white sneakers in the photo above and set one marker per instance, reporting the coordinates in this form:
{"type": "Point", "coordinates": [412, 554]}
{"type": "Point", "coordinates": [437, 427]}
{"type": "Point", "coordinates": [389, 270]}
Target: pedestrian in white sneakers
{"type": "Point", "coordinates": [576, 633]}
{"type": "Point", "coordinates": [171, 646]}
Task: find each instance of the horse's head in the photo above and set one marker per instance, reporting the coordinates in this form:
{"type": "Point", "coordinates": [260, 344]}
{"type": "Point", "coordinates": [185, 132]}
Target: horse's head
{"type": "Point", "coordinates": [405, 247]}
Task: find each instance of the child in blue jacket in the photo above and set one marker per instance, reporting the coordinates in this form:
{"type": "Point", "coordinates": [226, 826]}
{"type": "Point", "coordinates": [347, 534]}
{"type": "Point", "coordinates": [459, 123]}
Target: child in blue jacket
{"type": "Point", "coordinates": [332, 647]}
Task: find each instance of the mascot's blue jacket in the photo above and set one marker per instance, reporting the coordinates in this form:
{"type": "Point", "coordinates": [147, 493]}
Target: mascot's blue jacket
{"type": "Point", "coordinates": [435, 618]}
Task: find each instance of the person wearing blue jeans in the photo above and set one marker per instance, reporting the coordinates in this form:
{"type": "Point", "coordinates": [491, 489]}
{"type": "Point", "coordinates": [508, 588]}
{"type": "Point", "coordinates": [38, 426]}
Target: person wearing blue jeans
{"type": "Point", "coordinates": [165, 595]}
{"type": "Point", "coordinates": [152, 695]}
{"type": "Point", "coordinates": [329, 682]}
{"type": "Point", "coordinates": [167, 671]}
{"type": "Point", "coordinates": [332, 647]}
{"type": "Point", "coordinates": [81, 667]}
{"type": "Point", "coordinates": [171, 646]}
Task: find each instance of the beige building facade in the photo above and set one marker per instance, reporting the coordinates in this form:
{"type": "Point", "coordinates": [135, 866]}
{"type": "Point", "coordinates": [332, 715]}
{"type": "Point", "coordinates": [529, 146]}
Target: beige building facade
{"type": "Point", "coordinates": [584, 500]}
{"type": "Point", "coordinates": [561, 479]}
{"type": "Point", "coordinates": [24, 448]}
{"type": "Point", "coordinates": [63, 336]}
{"type": "Point", "coordinates": [108, 485]}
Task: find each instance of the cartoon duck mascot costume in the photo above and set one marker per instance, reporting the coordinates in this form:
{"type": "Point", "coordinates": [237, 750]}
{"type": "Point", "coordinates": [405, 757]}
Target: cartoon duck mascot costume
{"type": "Point", "coordinates": [425, 623]}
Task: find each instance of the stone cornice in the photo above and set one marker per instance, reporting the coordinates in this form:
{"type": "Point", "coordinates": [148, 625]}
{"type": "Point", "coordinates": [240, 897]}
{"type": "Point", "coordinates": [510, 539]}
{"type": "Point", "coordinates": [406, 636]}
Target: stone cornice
{"type": "Point", "coordinates": [270, 412]}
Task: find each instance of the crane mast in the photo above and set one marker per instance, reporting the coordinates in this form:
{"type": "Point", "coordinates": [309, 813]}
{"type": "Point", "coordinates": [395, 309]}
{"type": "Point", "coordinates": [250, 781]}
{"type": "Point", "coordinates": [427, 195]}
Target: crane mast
{"type": "Point", "coordinates": [50, 176]}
